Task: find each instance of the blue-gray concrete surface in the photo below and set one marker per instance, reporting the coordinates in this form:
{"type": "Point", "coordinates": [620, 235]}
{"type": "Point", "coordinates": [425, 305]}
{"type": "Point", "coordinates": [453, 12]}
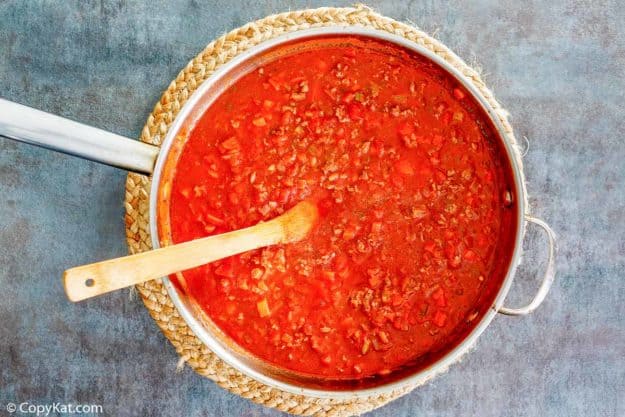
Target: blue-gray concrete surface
{"type": "Point", "coordinates": [558, 66]}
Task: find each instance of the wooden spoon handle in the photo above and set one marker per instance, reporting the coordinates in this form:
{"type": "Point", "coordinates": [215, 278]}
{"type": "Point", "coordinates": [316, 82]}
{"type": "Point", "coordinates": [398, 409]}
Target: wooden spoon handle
{"type": "Point", "coordinates": [95, 279]}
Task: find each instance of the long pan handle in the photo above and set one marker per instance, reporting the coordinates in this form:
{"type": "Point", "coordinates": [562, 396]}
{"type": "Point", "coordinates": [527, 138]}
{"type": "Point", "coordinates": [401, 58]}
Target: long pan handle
{"type": "Point", "coordinates": [36, 127]}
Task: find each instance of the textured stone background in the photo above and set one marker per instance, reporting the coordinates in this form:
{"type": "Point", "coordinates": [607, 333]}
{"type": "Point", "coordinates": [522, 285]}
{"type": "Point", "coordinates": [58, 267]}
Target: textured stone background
{"type": "Point", "coordinates": [558, 66]}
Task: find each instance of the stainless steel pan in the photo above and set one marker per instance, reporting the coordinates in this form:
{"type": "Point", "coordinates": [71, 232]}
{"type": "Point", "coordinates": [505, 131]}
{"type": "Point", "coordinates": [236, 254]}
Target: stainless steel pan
{"type": "Point", "coordinates": [32, 126]}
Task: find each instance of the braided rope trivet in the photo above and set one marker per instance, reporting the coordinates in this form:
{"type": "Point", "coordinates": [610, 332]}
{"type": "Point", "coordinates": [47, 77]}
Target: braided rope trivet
{"type": "Point", "coordinates": [155, 297]}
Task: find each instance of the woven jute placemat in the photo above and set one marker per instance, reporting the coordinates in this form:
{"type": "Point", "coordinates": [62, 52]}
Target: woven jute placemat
{"type": "Point", "coordinates": [191, 350]}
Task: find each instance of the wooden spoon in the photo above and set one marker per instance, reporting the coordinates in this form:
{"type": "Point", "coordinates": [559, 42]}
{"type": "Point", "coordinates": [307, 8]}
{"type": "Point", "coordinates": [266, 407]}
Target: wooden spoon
{"type": "Point", "coordinates": [95, 279]}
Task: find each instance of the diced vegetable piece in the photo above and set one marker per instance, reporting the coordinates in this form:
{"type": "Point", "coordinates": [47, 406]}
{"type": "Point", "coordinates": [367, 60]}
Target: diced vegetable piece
{"type": "Point", "coordinates": [404, 167]}
{"type": "Point", "coordinates": [259, 122]}
{"type": "Point", "coordinates": [439, 319]}
{"type": "Point", "coordinates": [230, 144]}
{"type": "Point", "coordinates": [365, 346]}
{"type": "Point", "coordinates": [263, 308]}
{"type": "Point", "coordinates": [349, 233]}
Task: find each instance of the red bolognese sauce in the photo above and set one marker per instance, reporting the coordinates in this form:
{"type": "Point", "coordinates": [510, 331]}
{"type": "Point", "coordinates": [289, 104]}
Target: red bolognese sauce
{"type": "Point", "coordinates": [415, 196]}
